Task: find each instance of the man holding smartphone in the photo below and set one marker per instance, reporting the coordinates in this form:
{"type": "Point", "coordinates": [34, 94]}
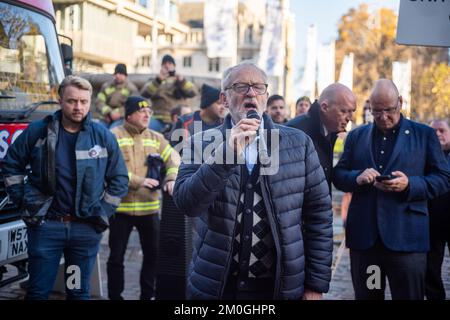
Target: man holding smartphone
{"type": "Point", "coordinates": [166, 91]}
{"type": "Point", "coordinates": [383, 177]}
{"type": "Point", "coordinates": [393, 167]}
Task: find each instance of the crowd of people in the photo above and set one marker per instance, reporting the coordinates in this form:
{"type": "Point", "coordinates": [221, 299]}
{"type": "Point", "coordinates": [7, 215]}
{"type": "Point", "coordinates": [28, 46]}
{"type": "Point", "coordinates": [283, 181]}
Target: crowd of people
{"type": "Point", "coordinates": [258, 234]}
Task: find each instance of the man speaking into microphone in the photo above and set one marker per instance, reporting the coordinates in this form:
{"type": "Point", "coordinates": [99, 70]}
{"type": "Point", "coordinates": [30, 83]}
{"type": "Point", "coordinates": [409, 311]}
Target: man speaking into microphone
{"type": "Point", "coordinates": [258, 236]}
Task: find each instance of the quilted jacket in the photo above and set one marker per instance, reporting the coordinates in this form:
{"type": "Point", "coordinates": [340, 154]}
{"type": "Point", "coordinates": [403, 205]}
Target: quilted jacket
{"type": "Point", "coordinates": [297, 202]}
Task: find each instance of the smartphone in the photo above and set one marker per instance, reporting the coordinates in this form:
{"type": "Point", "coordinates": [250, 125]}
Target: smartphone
{"type": "Point", "coordinates": [384, 177]}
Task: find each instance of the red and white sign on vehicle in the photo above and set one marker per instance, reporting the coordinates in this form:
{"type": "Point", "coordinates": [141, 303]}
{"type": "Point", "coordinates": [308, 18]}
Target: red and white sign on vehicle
{"type": "Point", "coordinates": [8, 134]}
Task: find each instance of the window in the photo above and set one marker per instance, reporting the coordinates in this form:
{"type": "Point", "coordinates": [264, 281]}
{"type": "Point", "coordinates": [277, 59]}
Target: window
{"type": "Point", "coordinates": [144, 61]}
{"type": "Point", "coordinates": [143, 3]}
{"type": "Point", "coordinates": [59, 19]}
{"type": "Point", "coordinates": [161, 9]}
{"type": "Point", "coordinates": [169, 38]}
{"type": "Point", "coordinates": [173, 11]}
{"type": "Point", "coordinates": [248, 37]}
{"type": "Point", "coordinates": [30, 61]}
{"type": "Point", "coordinates": [246, 56]}
{"type": "Point", "coordinates": [187, 62]}
{"type": "Point", "coordinates": [72, 18]}
{"type": "Point", "coordinates": [214, 65]}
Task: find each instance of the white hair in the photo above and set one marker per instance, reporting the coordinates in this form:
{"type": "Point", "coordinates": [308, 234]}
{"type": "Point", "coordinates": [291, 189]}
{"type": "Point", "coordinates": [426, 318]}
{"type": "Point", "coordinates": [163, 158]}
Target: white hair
{"type": "Point", "coordinates": [244, 64]}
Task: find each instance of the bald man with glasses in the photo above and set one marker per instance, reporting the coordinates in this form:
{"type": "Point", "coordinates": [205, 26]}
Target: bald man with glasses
{"type": "Point", "coordinates": [393, 167]}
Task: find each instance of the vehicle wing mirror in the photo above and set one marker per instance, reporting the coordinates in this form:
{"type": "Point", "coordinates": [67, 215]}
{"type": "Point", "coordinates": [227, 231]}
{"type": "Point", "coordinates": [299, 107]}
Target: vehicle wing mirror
{"type": "Point", "coordinates": [67, 52]}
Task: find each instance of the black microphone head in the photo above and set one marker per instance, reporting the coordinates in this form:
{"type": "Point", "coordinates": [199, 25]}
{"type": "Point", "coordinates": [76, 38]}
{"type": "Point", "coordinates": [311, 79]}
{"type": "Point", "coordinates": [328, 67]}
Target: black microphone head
{"type": "Point", "coordinates": [252, 114]}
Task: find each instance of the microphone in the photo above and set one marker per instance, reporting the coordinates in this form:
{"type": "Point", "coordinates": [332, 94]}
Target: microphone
{"type": "Point", "coordinates": [252, 114]}
{"type": "Point", "coordinates": [264, 158]}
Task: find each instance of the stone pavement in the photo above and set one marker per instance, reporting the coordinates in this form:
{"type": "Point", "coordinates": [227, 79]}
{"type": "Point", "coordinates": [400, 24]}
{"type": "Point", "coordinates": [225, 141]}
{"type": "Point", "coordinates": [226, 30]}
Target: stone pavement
{"type": "Point", "coordinates": [341, 283]}
{"type": "Point", "coordinates": [340, 288]}
{"type": "Point", "coordinates": [133, 260]}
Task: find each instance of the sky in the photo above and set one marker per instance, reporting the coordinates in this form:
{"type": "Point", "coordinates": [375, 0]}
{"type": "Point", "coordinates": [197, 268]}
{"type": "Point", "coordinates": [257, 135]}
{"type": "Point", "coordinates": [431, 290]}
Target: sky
{"type": "Point", "coordinates": [324, 14]}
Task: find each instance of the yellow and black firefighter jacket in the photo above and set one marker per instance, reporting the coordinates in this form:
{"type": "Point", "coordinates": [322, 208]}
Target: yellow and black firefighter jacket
{"type": "Point", "coordinates": [136, 145]}
{"type": "Point", "coordinates": [166, 95]}
{"type": "Point", "coordinates": [112, 96]}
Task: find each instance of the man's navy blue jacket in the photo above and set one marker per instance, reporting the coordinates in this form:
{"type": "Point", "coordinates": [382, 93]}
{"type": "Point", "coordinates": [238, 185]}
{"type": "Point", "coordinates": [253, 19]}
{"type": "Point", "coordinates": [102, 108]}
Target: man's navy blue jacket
{"type": "Point", "coordinates": [298, 208]}
{"type": "Point", "coordinates": [400, 219]}
{"type": "Point", "coordinates": [102, 178]}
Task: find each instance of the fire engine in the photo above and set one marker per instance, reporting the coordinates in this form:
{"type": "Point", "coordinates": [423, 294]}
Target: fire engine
{"type": "Point", "coordinates": [31, 67]}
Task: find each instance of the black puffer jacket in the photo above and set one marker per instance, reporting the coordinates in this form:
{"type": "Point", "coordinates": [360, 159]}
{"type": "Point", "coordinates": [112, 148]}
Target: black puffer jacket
{"type": "Point", "coordinates": [298, 207]}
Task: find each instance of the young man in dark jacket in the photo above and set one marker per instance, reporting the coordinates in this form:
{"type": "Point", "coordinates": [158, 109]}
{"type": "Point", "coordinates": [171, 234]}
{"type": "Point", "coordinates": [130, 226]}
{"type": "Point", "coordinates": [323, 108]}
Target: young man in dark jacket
{"type": "Point", "coordinates": [264, 225]}
{"type": "Point", "coordinates": [77, 180]}
{"type": "Point", "coordinates": [276, 109]}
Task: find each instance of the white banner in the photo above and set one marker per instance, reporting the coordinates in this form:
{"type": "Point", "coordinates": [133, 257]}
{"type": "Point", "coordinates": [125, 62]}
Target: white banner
{"type": "Point", "coordinates": [220, 28]}
{"type": "Point", "coordinates": [273, 48]}
{"type": "Point", "coordinates": [346, 74]}
{"type": "Point", "coordinates": [401, 76]}
{"type": "Point", "coordinates": [325, 65]}
{"type": "Point", "coordinates": [308, 82]}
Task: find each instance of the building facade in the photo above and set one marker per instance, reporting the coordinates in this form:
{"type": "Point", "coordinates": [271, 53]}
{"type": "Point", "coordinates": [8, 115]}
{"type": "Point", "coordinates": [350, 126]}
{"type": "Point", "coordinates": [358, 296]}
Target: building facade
{"type": "Point", "coordinates": [191, 54]}
{"type": "Point", "coordinates": [107, 32]}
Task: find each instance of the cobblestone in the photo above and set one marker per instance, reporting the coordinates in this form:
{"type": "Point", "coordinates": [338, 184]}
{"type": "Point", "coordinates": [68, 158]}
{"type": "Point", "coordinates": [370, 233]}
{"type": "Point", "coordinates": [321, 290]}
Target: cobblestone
{"type": "Point", "coordinates": [340, 287]}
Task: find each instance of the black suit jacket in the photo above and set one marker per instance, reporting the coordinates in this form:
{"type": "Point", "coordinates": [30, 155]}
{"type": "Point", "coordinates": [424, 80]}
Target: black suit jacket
{"type": "Point", "coordinates": [310, 124]}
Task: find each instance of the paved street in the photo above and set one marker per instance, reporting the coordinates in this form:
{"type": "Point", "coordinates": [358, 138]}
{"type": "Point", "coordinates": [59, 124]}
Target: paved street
{"type": "Point", "coordinates": [341, 284]}
{"type": "Point", "coordinates": [133, 258]}
{"type": "Point", "coordinates": [340, 289]}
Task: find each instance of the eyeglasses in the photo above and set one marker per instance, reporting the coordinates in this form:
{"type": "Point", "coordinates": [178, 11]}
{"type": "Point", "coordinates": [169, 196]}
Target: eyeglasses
{"type": "Point", "coordinates": [146, 110]}
{"type": "Point", "coordinates": [244, 88]}
{"type": "Point", "coordinates": [390, 110]}
{"type": "Point", "coordinates": [381, 111]}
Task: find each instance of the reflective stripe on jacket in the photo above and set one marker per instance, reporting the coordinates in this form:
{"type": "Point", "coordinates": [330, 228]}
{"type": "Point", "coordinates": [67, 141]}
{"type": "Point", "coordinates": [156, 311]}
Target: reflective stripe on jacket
{"type": "Point", "coordinates": [167, 94]}
{"type": "Point", "coordinates": [136, 145]}
{"type": "Point", "coordinates": [112, 96]}
{"type": "Point", "coordinates": [101, 173]}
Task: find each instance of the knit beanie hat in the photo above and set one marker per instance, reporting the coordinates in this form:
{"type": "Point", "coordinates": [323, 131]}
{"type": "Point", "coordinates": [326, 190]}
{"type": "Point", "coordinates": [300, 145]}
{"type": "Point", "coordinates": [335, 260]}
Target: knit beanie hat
{"type": "Point", "coordinates": [121, 68]}
{"type": "Point", "coordinates": [135, 103]}
{"type": "Point", "coordinates": [168, 58]}
{"type": "Point", "coordinates": [209, 96]}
